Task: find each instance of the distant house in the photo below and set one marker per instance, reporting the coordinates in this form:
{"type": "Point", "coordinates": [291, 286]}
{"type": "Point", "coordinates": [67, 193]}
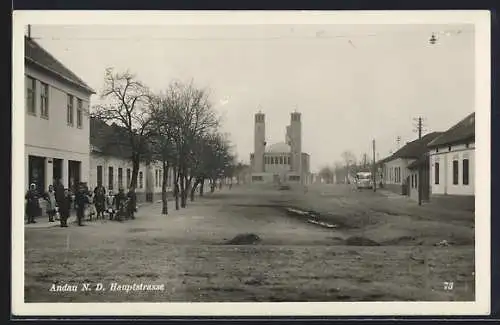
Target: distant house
{"type": "Point", "coordinates": [452, 164]}
{"type": "Point", "coordinates": [397, 168]}
{"type": "Point", "coordinates": [111, 164]}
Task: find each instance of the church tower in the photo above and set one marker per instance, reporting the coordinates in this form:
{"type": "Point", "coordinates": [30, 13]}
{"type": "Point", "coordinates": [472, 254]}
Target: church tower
{"type": "Point", "coordinates": [259, 142]}
{"type": "Point", "coordinates": [295, 136]}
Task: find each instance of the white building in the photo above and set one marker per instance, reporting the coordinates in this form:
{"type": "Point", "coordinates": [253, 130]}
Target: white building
{"type": "Point", "coordinates": [282, 162]}
{"type": "Point", "coordinates": [451, 158]}
{"type": "Point", "coordinates": [111, 164]}
{"type": "Point", "coordinates": [397, 168]}
{"type": "Point", "coordinates": [56, 123]}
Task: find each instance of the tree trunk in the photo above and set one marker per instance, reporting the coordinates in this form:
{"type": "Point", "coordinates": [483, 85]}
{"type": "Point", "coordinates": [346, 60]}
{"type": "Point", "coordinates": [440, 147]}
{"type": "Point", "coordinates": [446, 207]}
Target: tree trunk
{"type": "Point", "coordinates": [176, 188]}
{"type": "Point", "coordinates": [202, 186]}
{"type": "Point", "coordinates": [135, 170]}
{"type": "Point", "coordinates": [193, 189]}
{"type": "Point", "coordinates": [212, 185]}
{"type": "Point", "coordinates": [183, 189]}
{"type": "Point", "coordinates": [164, 209]}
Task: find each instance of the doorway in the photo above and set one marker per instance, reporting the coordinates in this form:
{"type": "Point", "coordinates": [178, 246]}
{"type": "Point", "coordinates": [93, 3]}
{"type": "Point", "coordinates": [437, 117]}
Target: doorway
{"type": "Point", "coordinates": [74, 171]}
{"type": "Point", "coordinates": [36, 172]}
{"type": "Point", "coordinates": [57, 170]}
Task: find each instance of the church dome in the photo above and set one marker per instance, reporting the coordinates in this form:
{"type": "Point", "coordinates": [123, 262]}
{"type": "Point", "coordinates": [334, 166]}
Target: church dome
{"type": "Point", "coordinates": [280, 147]}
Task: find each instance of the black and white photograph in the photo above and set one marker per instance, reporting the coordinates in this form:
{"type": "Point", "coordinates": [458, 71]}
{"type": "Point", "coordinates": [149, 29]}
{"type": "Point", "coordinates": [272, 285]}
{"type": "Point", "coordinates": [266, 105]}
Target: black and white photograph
{"type": "Point", "coordinates": [277, 163]}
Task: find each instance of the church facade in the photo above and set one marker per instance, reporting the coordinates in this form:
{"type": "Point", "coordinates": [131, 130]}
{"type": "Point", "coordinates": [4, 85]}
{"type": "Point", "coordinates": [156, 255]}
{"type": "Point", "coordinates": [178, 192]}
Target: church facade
{"type": "Point", "coordinates": [282, 162]}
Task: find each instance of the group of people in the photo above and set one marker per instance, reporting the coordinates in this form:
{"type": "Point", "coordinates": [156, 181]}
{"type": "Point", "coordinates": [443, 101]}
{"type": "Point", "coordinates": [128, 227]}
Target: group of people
{"type": "Point", "coordinates": [60, 201]}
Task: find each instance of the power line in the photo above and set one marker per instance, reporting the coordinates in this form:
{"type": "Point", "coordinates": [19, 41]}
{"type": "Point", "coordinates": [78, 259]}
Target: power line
{"type": "Point", "coordinates": [320, 35]}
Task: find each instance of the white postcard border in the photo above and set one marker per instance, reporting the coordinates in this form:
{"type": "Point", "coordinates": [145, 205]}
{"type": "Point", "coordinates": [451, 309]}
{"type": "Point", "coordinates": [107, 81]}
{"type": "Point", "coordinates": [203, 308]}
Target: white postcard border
{"type": "Point", "coordinates": [481, 21]}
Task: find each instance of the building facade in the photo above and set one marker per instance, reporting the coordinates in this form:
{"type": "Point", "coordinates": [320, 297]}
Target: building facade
{"type": "Point", "coordinates": [111, 165]}
{"type": "Point", "coordinates": [282, 162]}
{"type": "Point", "coordinates": [397, 168]}
{"type": "Point", "coordinates": [452, 163]}
{"type": "Point", "coordinates": [56, 121]}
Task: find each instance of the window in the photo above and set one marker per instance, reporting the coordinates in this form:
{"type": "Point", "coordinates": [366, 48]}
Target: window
{"type": "Point", "coordinates": [110, 178]}
{"type": "Point", "coordinates": [465, 172]}
{"type": "Point", "coordinates": [436, 173]}
{"type": "Point", "coordinates": [128, 177]}
{"type": "Point", "coordinates": [294, 178]}
{"type": "Point", "coordinates": [79, 112]}
{"type": "Point", "coordinates": [256, 178]}
{"type": "Point", "coordinates": [160, 178]}
{"type": "Point", "coordinates": [30, 95]}
{"type": "Point", "coordinates": [467, 145]}
{"type": "Point", "coordinates": [455, 172]}
{"type": "Point", "coordinates": [69, 112]}
{"type": "Point", "coordinates": [412, 181]}
{"type": "Point", "coordinates": [44, 100]}
{"type": "Point", "coordinates": [140, 180]}
{"type": "Point", "coordinates": [156, 177]}
{"type": "Point", "coordinates": [416, 181]}
{"type": "Point", "coordinates": [281, 160]}
{"type": "Point", "coordinates": [120, 178]}
{"type": "Point", "coordinates": [99, 175]}
{"type": "Point", "coordinates": [449, 148]}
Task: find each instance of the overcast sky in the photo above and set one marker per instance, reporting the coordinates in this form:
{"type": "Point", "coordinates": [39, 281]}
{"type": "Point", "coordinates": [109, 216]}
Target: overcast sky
{"type": "Point", "coordinates": [367, 85]}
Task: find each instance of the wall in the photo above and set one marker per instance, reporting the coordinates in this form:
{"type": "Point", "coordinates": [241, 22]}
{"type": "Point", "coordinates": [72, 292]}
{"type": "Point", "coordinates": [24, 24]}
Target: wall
{"type": "Point", "coordinates": [51, 137]}
{"type": "Point", "coordinates": [390, 181]}
{"type": "Point", "coordinates": [295, 133]}
{"type": "Point", "coordinates": [413, 188]}
{"type": "Point", "coordinates": [445, 156]}
{"type": "Point", "coordinates": [259, 146]}
{"type": "Point", "coordinates": [115, 162]}
{"type": "Point", "coordinates": [149, 184]}
{"type": "Point", "coordinates": [277, 168]}
{"type": "Point", "coordinates": [266, 178]}
{"type": "Point", "coordinates": [70, 139]}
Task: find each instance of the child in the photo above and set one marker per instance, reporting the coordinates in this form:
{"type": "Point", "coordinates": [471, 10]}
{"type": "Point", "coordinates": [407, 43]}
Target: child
{"type": "Point", "coordinates": [109, 205]}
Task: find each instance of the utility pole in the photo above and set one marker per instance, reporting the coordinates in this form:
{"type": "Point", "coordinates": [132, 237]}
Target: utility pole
{"type": "Point", "coordinates": [419, 127]}
{"type": "Point", "coordinates": [374, 168]}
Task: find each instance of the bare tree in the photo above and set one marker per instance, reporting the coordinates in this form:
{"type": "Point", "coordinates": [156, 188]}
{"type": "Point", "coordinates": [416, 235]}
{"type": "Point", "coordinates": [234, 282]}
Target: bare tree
{"type": "Point", "coordinates": [349, 160]}
{"type": "Point", "coordinates": [162, 143]}
{"type": "Point", "coordinates": [215, 161]}
{"type": "Point", "coordinates": [190, 117]}
{"type": "Point", "coordinates": [126, 106]}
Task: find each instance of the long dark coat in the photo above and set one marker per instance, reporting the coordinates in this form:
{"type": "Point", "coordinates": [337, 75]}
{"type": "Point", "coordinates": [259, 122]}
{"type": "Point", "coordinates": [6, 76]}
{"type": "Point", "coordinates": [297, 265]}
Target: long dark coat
{"type": "Point", "coordinates": [32, 204]}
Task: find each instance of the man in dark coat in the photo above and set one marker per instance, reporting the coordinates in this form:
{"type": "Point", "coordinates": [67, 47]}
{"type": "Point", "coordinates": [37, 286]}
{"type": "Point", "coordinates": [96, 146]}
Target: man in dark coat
{"type": "Point", "coordinates": [100, 200]}
{"type": "Point", "coordinates": [65, 208]}
{"type": "Point", "coordinates": [59, 189]}
{"type": "Point", "coordinates": [120, 199]}
{"type": "Point", "coordinates": [32, 203]}
{"type": "Point", "coordinates": [132, 202]}
{"type": "Point", "coordinates": [81, 199]}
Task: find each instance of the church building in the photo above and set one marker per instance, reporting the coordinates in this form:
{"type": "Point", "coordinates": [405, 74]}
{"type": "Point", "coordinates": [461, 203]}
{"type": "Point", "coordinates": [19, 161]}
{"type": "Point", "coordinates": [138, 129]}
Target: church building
{"type": "Point", "coordinates": [282, 162]}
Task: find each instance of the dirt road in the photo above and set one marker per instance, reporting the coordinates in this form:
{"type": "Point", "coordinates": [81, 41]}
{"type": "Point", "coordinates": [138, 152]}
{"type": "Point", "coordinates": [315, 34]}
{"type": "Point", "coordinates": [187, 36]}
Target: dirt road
{"type": "Point", "coordinates": [247, 245]}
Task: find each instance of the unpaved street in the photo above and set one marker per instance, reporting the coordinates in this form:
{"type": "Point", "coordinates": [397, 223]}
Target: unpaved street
{"type": "Point", "coordinates": [245, 244]}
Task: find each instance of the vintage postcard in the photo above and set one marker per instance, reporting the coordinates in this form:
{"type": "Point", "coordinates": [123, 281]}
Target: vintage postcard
{"type": "Point", "coordinates": [251, 163]}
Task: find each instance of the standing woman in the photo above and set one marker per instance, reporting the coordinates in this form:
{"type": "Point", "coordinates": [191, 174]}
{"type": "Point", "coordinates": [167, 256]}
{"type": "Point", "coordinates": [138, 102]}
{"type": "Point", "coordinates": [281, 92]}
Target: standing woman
{"type": "Point", "coordinates": [32, 203]}
{"type": "Point", "coordinates": [50, 197]}
{"type": "Point", "coordinates": [100, 200]}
